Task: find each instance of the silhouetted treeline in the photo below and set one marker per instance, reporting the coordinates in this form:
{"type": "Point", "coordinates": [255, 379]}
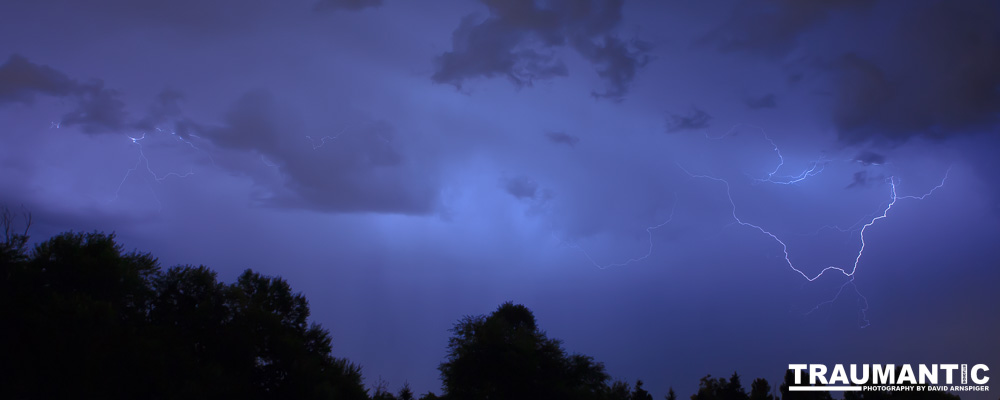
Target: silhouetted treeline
{"type": "Point", "coordinates": [81, 318]}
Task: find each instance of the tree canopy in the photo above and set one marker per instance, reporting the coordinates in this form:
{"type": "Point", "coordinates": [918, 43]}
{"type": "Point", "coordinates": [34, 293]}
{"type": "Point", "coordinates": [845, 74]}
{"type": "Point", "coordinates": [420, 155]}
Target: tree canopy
{"type": "Point", "coordinates": [84, 319]}
{"type": "Point", "coordinates": [506, 356]}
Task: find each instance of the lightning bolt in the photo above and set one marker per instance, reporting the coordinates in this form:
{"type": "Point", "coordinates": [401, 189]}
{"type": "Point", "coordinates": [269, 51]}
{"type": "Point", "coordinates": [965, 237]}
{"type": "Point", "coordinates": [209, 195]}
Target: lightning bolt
{"type": "Point", "coordinates": [817, 167]}
{"type": "Point", "coordinates": [885, 213]}
{"type": "Point", "coordinates": [322, 140]}
{"type": "Point", "coordinates": [649, 250]}
{"type": "Point", "coordinates": [863, 321]}
{"type": "Point", "coordinates": [848, 272]}
{"type": "Point", "coordinates": [267, 163]}
{"type": "Point", "coordinates": [773, 177]}
{"type": "Point", "coordinates": [143, 160]}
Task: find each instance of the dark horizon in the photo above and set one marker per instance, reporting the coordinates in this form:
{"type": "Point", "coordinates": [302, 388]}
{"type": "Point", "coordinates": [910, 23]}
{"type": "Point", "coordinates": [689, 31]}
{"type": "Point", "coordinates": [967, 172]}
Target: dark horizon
{"type": "Point", "coordinates": [676, 189]}
{"type": "Point", "coordinates": [94, 320]}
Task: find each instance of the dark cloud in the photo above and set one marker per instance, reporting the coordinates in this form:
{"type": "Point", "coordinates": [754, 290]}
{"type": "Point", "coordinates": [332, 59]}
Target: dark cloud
{"type": "Point", "coordinates": [254, 122]}
{"type": "Point", "coordinates": [616, 62]}
{"type": "Point", "coordinates": [350, 5]}
{"type": "Point", "coordinates": [165, 113]}
{"type": "Point", "coordinates": [863, 179]}
{"type": "Point", "coordinates": [562, 138]}
{"type": "Point", "coordinates": [519, 39]}
{"type": "Point", "coordinates": [774, 28]}
{"type": "Point", "coordinates": [934, 70]}
{"type": "Point", "coordinates": [870, 158]}
{"type": "Point", "coordinates": [490, 48]}
{"type": "Point", "coordinates": [21, 80]}
{"type": "Point", "coordinates": [521, 187]}
{"type": "Point", "coordinates": [694, 120]}
{"type": "Point", "coordinates": [529, 192]}
{"type": "Point", "coordinates": [166, 105]}
{"type": "Point", "coordinates": [766, 101]}
{"type": "Point", "coordinates": [360, 170]}
{"type": "Point", "coordinates": [940, 78]}
{"type": "Point", "coordinates": [98, 110]}
{"type": "Point", "coordinates": [860, 180]}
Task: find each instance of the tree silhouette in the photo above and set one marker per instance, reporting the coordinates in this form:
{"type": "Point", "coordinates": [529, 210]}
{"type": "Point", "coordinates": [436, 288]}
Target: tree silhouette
{"type": "Point", "coordinates": [429, 396]}
{"type": "Point", "coordinates": [638, 393]}
{"type": "Point", "coordinates": [760, 390]}
{"type": "Point", "coordinates": [14, 239]}
{"type": "Point", "coordinates": [720, 389]}
{"type": "Point", "coordinates": [733, 390]}
{"type": "Point", "coordinates": [380, 390]}
{"type": "Point", "coordinates": [405, 393]}
{"type": "Point", "coordinates": [670, 395]}
{"type": "Point", "coordinates": [93, 321]}
{"type": "Point", "coordinates": [619, 390]}
{"type": "Point", "coordinates": [505, 356]}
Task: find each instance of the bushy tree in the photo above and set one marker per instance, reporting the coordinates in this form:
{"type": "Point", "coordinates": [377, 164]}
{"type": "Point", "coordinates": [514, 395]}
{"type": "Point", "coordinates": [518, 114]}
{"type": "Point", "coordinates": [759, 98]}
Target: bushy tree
{"type": "Point", "coordinates": [506, 356]}
{"type": "Point", "coordinates": [760, 390]}
{"type": "Point", "coordinates": [619, 390]}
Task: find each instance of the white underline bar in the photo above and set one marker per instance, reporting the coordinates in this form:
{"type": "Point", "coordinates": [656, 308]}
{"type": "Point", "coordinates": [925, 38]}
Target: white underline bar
{"type": "Point", "coordinates": [824, 388]}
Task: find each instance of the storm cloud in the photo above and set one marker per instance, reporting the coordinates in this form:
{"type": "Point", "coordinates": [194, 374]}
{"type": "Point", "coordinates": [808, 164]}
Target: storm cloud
{"type": "Point", "coordinates": [364, 171]}
{"type": "Point", "coordinates": [351, 5]}
{"type": "Point", "coordinates": [521, 187]}
{"type": "Point", "coordinates": [519, 40]}
{"type": "Point", "coordinates": [562, 138]}
{"type": "Point", "coordinates": [776, 27]}
{"type": "Point", "coordinates": [949, 83]}
{"type": "Point", "coordinates": [98, 110]}
{"type": "Point", "coordinates": [934, 73]}
{"type": "Point", "coordinates": [21, 80]}
{"type": "Point", "coordinates": [695, 119]}
{"type": "Point", "coordinates": [361, 170]}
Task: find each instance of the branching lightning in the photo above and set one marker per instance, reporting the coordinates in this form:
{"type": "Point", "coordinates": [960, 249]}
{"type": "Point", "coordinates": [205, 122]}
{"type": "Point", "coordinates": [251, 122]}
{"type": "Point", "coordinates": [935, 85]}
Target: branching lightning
{"type": "Point", "coordinates": [817, 167]}
{"type": "Point", "coordinates": [773, 177]}
{"type": "Point", "coordinates": [143, 160]}
{"type": "Point", "coordinates": [849, 272]}
{"type": "Point", "coordinates": [863, 321]}
{"type": "Point", "coordinates": [885, 212]}
{"type": "Point", "coordinates": [322, 140]}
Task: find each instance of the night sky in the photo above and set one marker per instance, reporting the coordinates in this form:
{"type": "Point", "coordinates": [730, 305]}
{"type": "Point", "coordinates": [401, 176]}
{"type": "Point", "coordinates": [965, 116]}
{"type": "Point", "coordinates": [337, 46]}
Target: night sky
{"type": "Point", "coordinates": [633, 172]}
